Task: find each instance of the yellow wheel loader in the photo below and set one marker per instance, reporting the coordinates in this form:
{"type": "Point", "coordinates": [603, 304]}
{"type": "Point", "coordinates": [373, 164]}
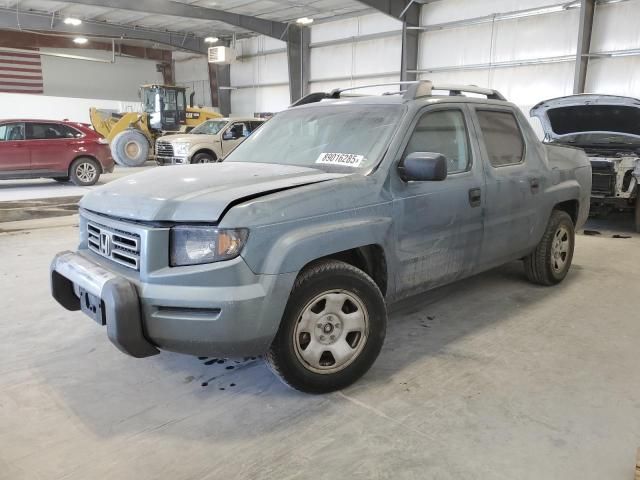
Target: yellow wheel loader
{"type": "Point", "coordinates": [132, 135]}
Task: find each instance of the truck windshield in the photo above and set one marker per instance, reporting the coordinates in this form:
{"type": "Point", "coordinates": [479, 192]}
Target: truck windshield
{"type": "Point", "coordinates": [336, 138]}
{"type": "Point", "coordinates": [210, 127]}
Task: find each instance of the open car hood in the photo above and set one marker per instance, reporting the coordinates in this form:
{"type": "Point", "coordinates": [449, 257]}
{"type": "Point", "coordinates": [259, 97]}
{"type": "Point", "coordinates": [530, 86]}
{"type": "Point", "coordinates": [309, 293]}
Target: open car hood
{"type": "Point", "coordinates": [568, 118]}
{"type": "Point", "coordinates": [196, 193]}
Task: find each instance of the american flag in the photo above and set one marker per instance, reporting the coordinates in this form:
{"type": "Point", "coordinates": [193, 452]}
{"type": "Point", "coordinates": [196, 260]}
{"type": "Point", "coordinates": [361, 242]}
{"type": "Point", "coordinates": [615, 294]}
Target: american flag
{"type": "Point", "coordinates": [20, 72]}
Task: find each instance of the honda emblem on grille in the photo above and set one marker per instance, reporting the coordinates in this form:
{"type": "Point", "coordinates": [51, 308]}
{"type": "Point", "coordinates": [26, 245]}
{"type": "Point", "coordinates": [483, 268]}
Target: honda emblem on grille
{"type": "Point", "coordinates": [105, 244]}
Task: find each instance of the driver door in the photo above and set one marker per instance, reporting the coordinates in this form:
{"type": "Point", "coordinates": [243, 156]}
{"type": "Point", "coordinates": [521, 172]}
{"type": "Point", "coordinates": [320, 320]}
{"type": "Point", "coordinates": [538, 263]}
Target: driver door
{"type": "Point", "coordinates": [439, 224]}
{"type": "Point", "coordinates": [233, 136]}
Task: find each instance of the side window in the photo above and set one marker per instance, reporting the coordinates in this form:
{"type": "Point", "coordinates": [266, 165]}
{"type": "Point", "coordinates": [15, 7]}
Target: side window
{"type": "Point", "coordinates": [239, 130]}
{"type": "Point", "coordinates": [444, 132]}
{"type": "Point", "coordinates": [44, 131]}
{"type": "Point", "coordinates": [11, 132]}
{"type": "Point", "coordinates": [502, 137]}
{"type": "Point", "coordinates": [69, 132]}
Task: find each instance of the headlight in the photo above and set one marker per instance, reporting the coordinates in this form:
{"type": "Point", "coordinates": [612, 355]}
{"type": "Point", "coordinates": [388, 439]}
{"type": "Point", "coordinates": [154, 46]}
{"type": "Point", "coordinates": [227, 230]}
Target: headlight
{"type": "Point", "coordinates": [194, 245]}
{"type": "Point", "coordinates": [181, 149]}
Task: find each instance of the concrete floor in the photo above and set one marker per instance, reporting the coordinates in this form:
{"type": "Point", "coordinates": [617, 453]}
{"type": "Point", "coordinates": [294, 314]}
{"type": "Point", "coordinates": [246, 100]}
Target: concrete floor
{"type": "Point", "coordinates": [490, 378]}
{"type": "Point", "coordinates": [12, 190]}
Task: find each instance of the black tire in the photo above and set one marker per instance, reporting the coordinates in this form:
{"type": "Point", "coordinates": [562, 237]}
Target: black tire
{"type": "Point", "coordinates": [203, 157]}
{"type": "Point", "coordinates": [84, 172]}
{"type": "Point", "coordinates": [130, 148]}
{"type": "Point", "coordinates": [332, 278]}
{"type": "Point", "coordinates": [547, 264]}
{"type": "Point", "coordinates": [61, 179]}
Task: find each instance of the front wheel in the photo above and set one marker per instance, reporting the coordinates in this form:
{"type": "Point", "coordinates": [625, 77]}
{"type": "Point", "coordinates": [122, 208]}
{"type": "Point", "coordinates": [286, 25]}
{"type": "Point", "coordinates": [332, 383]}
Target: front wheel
{"type": "Point", "coordinates": [203, 157]}
{"type": "Point", "coordinates": [332, 329]}
{"type": "Point", "coordinates": [130, 148]}
{"type": "Point", "coordinates": [549, 263]}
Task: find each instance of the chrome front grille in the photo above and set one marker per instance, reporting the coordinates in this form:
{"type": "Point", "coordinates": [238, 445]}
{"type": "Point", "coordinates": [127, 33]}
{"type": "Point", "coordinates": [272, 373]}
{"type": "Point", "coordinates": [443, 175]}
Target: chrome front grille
{"type": "Point", "coordinates": [117, 245]}
{"type": "Point", "coordinates": [164, 149]}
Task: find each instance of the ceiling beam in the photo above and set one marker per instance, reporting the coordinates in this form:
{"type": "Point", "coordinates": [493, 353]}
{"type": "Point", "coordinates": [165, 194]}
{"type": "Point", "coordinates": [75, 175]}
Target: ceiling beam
{"type": "Point", "coordinates": [27, 40]}
{"type": "Point", "coordinates": [405, 10]}
{"type": "Point", "coordinates": [176, 9]}
{"type": "Point", "coordinates": [42, 22]}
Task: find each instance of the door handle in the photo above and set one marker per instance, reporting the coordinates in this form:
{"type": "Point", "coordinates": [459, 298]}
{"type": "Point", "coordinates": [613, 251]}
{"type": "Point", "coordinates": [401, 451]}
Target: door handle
{"type": "Point", "coordinates": [475, 197]}
{"type": "Point", "coordinates": [535, 185]}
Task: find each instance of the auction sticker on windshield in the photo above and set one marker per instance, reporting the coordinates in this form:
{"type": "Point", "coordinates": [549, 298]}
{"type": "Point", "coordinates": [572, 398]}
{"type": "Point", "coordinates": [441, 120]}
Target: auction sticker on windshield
{"type": "Point", "coordinates": [344, 159]}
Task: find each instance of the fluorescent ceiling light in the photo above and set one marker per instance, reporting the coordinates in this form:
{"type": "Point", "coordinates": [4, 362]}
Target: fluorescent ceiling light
{"type": "Point", "coordinates": [211, 39]}
{"type": "Point", "coordinates": [72, 21]}
{"type": "Point", "coordinates": [305, 21]}
{"type": "Point", "coordinates": [80, 40]}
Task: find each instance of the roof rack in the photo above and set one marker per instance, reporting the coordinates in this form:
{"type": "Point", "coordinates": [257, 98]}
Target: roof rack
{"type": "Point", "coordinates": [415, 89]}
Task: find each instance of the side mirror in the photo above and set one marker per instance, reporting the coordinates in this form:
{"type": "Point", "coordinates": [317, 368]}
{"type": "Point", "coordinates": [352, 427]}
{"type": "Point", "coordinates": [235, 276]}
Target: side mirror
{"type": "Point", "coordinates": [228, 135]}
{"type": "Point", "coordinates": [424, 167]}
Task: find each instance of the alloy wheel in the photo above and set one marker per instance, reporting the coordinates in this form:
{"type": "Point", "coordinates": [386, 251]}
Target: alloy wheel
{"type": "Point", "coordinates": [86, 172]}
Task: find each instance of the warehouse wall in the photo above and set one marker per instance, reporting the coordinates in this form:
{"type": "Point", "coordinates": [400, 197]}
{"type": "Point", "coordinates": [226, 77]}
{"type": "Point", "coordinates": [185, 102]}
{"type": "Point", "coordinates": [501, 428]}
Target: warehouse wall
{"type": "Point", "coordinates": [356, 51]}
{"type": "Point", "coordinates": [350, 52]}
{"type": "Point", "coordinates": [260, 77]}
{"type": "Point", "coordinates": [192, 71]}
{"type": "Point", "coordinates": [117, 81]}
{"type": "Point", "coordinates": [616, 32]}
{"type": "Point", "coordinates": [15, 105]}
{"type": "Point", "coordinates": [528, 57]}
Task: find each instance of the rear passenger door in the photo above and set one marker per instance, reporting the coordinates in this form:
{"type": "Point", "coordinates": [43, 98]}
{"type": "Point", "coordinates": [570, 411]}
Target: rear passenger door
{"type": "Point", "coordinates": [438, 224]}
{"type": "Point", "coordinates": [51, 146]}
{"type": "Point", "coordinates": [511, 186]}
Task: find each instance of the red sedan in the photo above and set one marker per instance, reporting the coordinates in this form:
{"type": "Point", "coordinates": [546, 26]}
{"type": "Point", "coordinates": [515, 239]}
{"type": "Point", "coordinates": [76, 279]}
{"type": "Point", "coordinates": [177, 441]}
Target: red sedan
{"type": "Point", "coordinates": [60, 150]}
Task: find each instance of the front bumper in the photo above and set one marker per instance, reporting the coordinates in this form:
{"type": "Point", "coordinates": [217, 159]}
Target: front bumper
{"type": "Point", "coordinates": [172, 160]}
{"type": "Point", "coordinates": [210, 319]}
{"type": "Point", "coordinates": [119, 299]}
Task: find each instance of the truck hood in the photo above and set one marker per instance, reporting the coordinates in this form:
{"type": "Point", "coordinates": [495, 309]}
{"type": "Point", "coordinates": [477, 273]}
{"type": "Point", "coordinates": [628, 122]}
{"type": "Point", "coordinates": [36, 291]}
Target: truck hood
{"type": "Point", "coordinates": [588, 120]}
{"type": "Point", "coordinates": [187, 138]}
{"type": "Point", "coordinates": [196, 193]}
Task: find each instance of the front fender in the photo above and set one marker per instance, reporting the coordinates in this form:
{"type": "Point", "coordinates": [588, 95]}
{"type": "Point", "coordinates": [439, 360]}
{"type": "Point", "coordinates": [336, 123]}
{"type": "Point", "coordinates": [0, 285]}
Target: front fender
{"type": "Point", "coordinates": [291, 251]}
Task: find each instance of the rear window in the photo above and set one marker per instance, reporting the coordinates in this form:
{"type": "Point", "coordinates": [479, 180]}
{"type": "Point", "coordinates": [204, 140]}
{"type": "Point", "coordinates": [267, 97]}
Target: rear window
{"type": "Point", "coordinates": [502, 137]}
{"type": "Point", "coordinates": [595, 118]}
{"type": "Point", "coordinates": [50, 131]}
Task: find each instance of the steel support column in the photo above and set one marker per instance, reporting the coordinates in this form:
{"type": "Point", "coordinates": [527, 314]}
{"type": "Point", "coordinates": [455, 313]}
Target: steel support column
{"type": "Point", "coordinates": [587, 9]}
{"type": "Point", "coordinates": [220, 85]}
{"type": "Point", "coordinates": [409, 60]}
{"type": "Point", "coordinates": [298, 57]}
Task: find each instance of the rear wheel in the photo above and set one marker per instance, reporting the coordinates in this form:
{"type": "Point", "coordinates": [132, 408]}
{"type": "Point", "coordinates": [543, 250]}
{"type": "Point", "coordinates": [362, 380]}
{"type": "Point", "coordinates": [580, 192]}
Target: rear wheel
{"type": "Point", "coordinates": [130, 148]}
{"type": "Point", "coordinates": [332, 329]}
{"type": "Point", "coordinates": [203, 157]}
{"type": "Point", "coordinates": [549, 263]}
{"type": "Point", "coordinates": [84, 172]}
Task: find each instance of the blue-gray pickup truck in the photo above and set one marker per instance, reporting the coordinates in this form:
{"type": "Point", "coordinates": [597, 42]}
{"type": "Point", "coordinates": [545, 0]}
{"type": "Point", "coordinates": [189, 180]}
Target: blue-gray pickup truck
{"type": "Point", "coordinates": [294, 245]}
